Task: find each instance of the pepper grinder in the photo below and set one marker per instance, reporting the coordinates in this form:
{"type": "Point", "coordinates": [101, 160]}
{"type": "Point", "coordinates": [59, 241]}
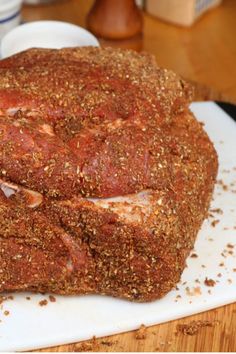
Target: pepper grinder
{"type": "Point", "coordinates": [115, 19]}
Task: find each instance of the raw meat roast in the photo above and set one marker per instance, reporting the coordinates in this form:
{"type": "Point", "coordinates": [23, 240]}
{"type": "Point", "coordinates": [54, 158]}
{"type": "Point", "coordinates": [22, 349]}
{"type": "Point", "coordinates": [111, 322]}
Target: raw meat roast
{"type": "Point", "coordinates": [105, 174]}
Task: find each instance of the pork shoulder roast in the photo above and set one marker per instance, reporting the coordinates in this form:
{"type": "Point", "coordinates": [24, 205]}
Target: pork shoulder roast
{"type": "Point", "coordinates": [105, 174]}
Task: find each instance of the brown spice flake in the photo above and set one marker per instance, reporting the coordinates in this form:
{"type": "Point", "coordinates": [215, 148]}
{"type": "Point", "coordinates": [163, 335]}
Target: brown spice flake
{"type": "Point", "coordinates": [217, 211]}
{"type": "Point", "coordinates": [194, 255]}
{"type": "Point", "coordinates": [6, 313]}
{"type": "Point", "coordinates": [209, 282]}
{"type": "Point", "coordinates": [107, 343]}
{"type": "Point", "coordinates": [194, 292]}
{"type": "Point", "coordinates": [52, 298]}
{"type": "Point", "coordinates": [90, 346]}
{"type": "Point", "coordinates": [43, 302]}
{"type": "Point", "coordinates": [193, 327]}
{"type": "Point", "coordinates": [215, 222]}
{"type": "Point", "coordinates": [223, 185]}
{"type": "Point", "coordinates": [141, 333]}
{"type": "Point", "coordinates": [5, 298]}
{"type": "Point", "coordinates": [229, 245]}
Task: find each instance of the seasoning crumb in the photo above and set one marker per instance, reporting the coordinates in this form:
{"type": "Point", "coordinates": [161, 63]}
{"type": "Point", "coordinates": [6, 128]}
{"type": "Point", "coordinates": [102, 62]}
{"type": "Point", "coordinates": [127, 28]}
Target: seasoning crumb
{"type": "Point", "coordinates": [229, 245]}
{"type": "Point", "coordinates": [193, 327]}
{"type": "Point", "coordinates": [223, 185]}
{"type": "Point", "coordinates": [52, 298]}
{"type": "Point", "coordinates": [28, 298]}
{"type": "Point", "coordinates": [209, 282]}
{"type": "Point", "coordinates": [215, 222]}
{"type": "Point", "coordinates": [195, 291]}
{"type": "Point", "coordinates": [141, 333]}
{"type": "Point", "coordinates": [107, 343]}
{"type": "Point", "coordinates": [6, 313]}
{"type": "Point", "coordinates": [5, 298]}
{"type": "Point", "coordinates": [217, 211]}
{"type": "Point", "coordinates": [194, 255]}
{"type": "Point", "coordinates": [89, 346]}
{"type": "Point", "coordinates": [43, 302]}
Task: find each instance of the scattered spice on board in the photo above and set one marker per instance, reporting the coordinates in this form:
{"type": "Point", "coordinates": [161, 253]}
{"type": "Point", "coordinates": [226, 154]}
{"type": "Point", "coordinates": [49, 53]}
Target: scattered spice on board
{"type": "Point", "coordinates": [194, 255]}
{"type": "Point", "coordinates": [141, 333]}
{"type": "Point", "coordinates": [209, 282]}
{"type": "Point", "coordinates": [5, 298]}
{"type": "Point", "coordinates": [193, 327]}
{"type": "Point", "coordinates": [177, 298]}
{"type": "Point", "coordinates": [223, 185]}
{"type": "Point", "coordinates": [215, 222]}
{"type": "Point", "coordinates": [217, 211]}
{"type": "Point", "coordinates": [229, 245]}
{"type": "Point", "coordinates": [107, 343]}
{"type": "Point", "coordinates": [90, 346]}
{"type": "Point", "coordinates": [52, 298]}
{"type": "Point", "coordinates": [195, 291]}
{"type": "Point", "coordinates": [28, 298]}
{"type": "Point", "coordinates": [43, 302]}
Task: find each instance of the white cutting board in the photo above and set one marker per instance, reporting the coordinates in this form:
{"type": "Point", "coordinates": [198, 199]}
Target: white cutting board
{"type": "Point", "coordinates": [75, 318]}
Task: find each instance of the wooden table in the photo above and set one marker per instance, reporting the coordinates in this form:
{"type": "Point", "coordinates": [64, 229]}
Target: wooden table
{"type": "Point", "coordinates": [206, 54]}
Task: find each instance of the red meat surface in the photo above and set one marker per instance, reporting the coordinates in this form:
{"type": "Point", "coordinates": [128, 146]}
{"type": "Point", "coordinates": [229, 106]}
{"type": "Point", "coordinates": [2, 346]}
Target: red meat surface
{"type": "Point", "coordinates": [106, 176]}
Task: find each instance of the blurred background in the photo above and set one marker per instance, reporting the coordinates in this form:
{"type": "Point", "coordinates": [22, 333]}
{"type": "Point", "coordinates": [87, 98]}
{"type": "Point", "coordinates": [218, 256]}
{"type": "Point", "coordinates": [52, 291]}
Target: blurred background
{"type": "Point", "coordinates": [195, 38]}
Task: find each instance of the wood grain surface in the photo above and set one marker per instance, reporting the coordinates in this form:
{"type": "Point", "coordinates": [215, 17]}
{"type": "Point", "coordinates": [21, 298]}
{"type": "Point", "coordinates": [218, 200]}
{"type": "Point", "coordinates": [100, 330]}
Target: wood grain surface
{"type": "Point", "coordinates": [206, 55]}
